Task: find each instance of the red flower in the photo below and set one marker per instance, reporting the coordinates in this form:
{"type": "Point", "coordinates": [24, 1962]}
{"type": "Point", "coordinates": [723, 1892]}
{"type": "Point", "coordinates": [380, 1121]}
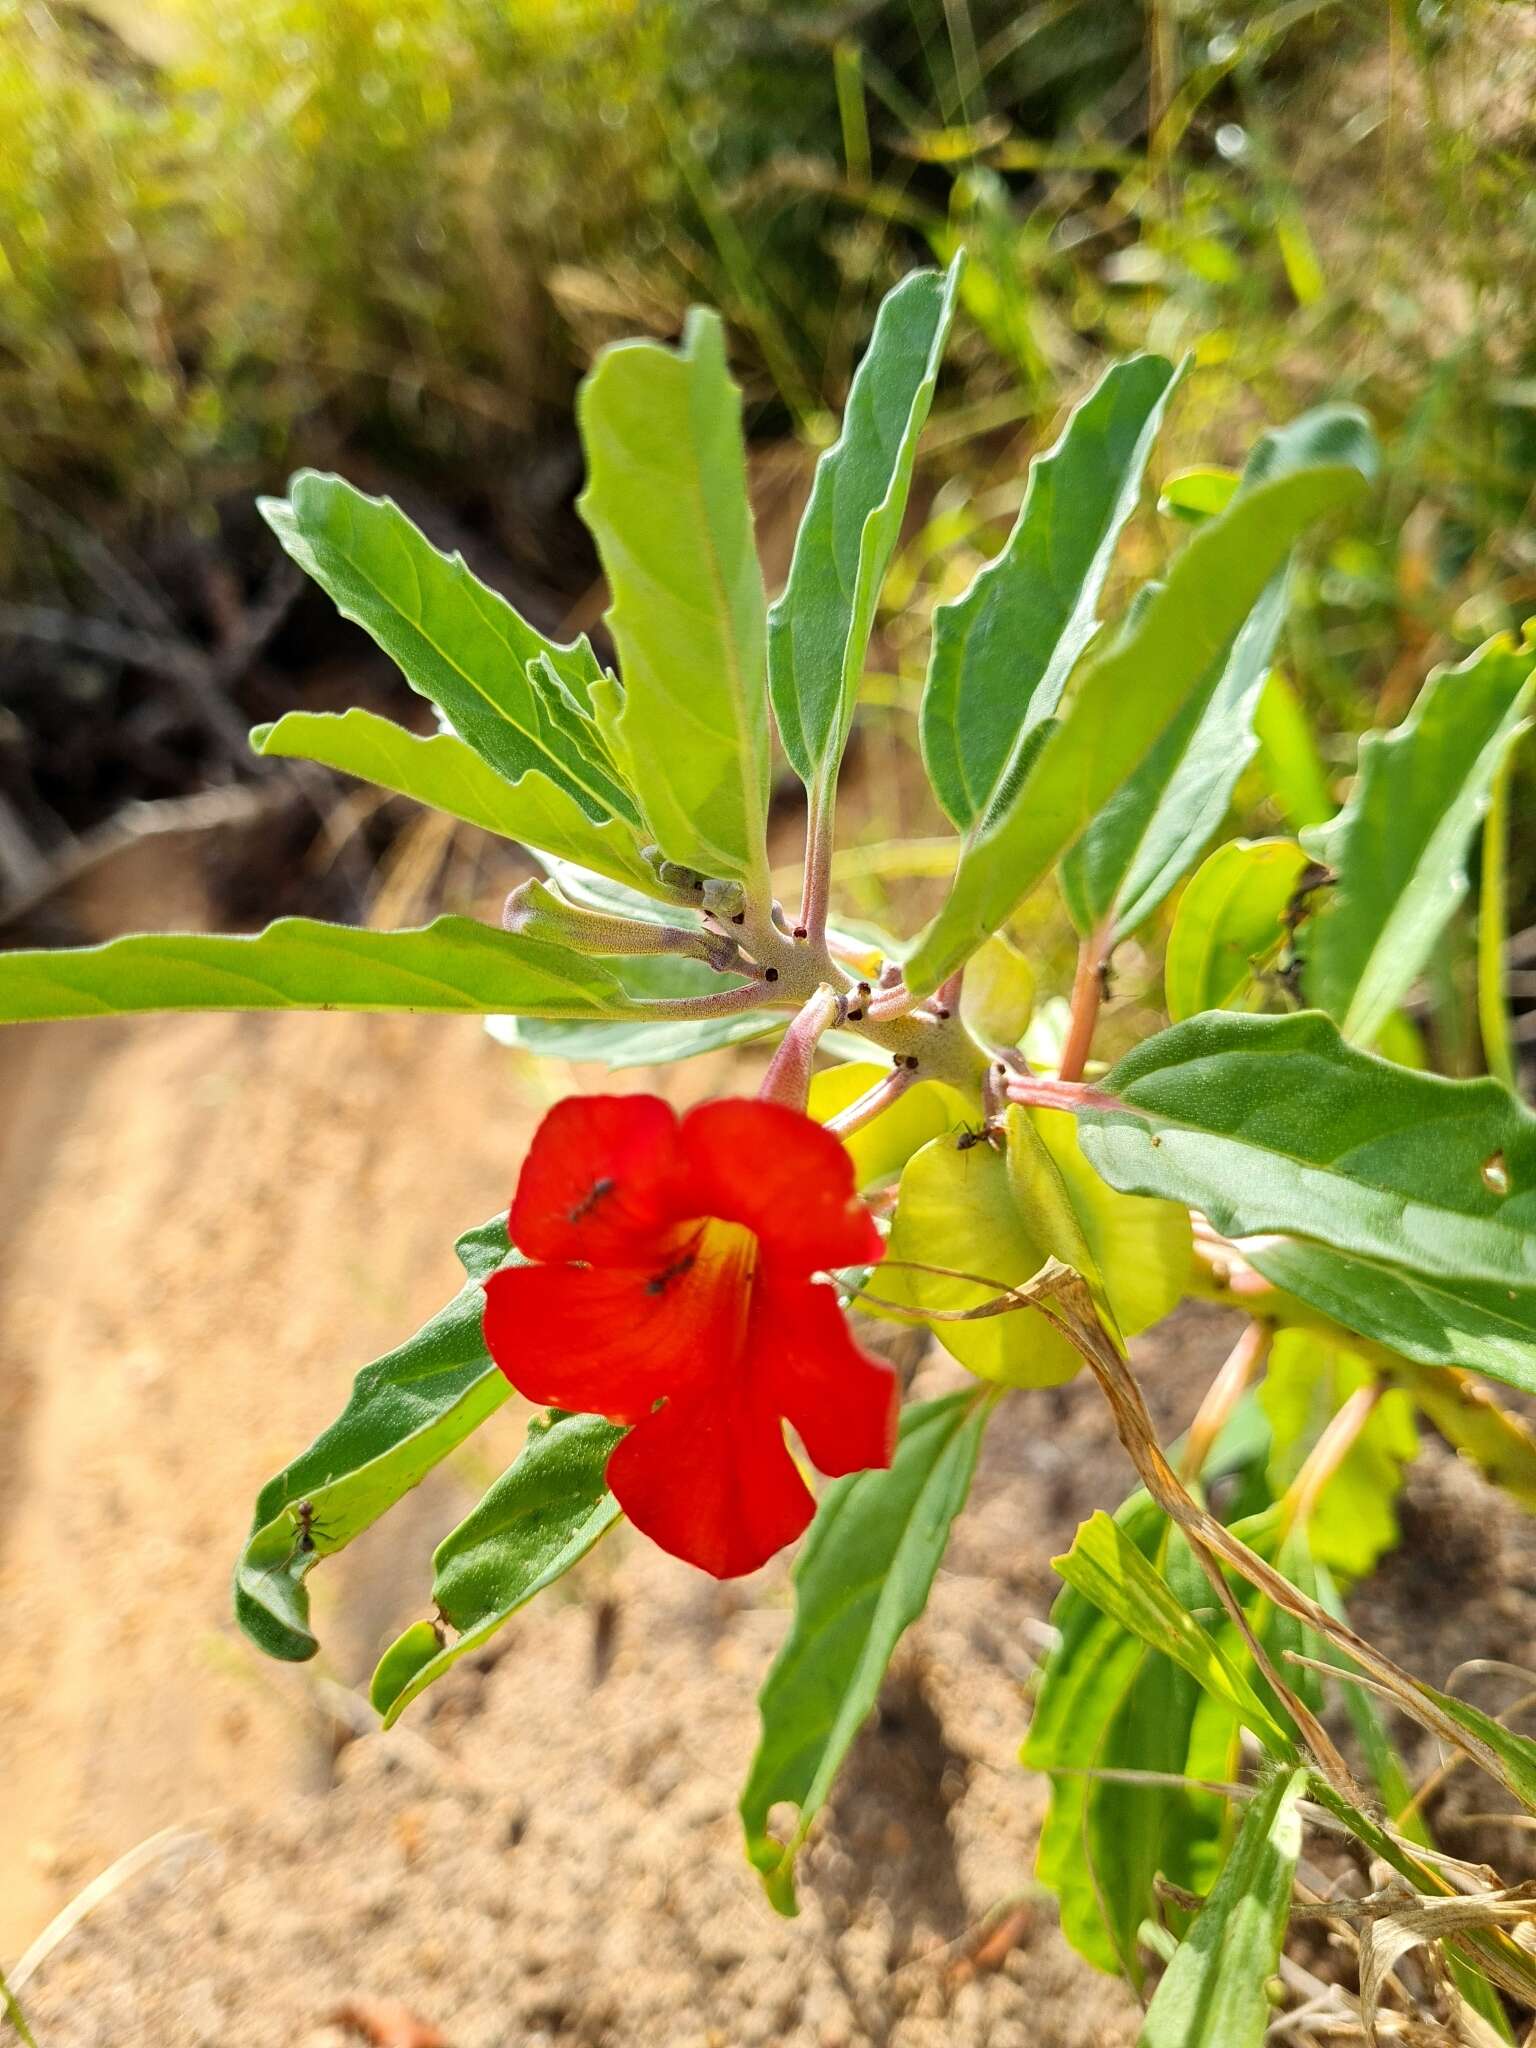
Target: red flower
{"type": "Point", "coordinates": [675, 1294]}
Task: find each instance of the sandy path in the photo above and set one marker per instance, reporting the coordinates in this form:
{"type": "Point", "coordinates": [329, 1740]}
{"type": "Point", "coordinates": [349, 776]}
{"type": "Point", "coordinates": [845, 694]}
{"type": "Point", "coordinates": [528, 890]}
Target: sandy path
{"type": "Point", "coordinates": [209, 1224]}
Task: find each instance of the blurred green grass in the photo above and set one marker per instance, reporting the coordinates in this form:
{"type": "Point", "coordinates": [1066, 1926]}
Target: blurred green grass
{"type": "Point", "coordinates": [240, 234]}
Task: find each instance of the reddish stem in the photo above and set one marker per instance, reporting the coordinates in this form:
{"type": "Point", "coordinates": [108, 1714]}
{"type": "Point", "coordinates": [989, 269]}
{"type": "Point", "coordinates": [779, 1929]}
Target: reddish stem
{"type": "Point", "coordinates": [1038, 1091]}
{"type": "Point", "coordinates": [1087, 995]}
{"type": "Point", "coordinates": [788, 1079]}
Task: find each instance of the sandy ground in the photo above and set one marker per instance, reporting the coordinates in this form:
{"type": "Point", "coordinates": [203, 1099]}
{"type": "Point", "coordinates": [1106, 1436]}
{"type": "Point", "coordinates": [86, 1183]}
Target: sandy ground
{"type": "Point", "coordinates": [208, 1225]}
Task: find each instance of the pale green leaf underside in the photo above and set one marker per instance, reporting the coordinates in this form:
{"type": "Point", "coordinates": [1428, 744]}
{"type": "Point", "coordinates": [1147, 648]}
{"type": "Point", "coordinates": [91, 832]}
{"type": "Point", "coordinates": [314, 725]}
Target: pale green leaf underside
{"type": "Point", "coordinates": [666, 500]}
{"type": "Point", "coordinates": [862, 1577]}
{"type": "Point", "coordinates": [1155, 827]}
{"type": "Point", "coordinates": [406, 1412]}
{"type": "Point", "coordinates": [1399, 846]}
{"type": "Point", "coordinates": [1394, 1178]}
{"type": "Point", "coordinates": [452, 965]}
{"type": "Point", "coordinates": [818, 631]}
{"type": "Point", "coordinates": [540, 1518]}
{"type": "Point", "coordinates": [1119, 705]}
{"type": "Point", "coordinates": [1214, 1994]}
{"type": "Point", "coordinates": [450, 776]}
{"type": "Point", "coordinates": [641, 1042]}
{"type": "Point", "coordinates": [1003, 649]}
{"type": "Point", "coordinates": [456, 642]}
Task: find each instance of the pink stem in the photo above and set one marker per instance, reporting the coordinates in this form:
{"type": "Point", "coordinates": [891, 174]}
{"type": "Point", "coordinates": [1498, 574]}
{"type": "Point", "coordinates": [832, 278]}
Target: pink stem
{"type": "Point", "coordinates": [872, 1103]}
{"type": "Point", "coordinates": [788, 1079]}
{"type": "Point", "coordinates": [1037, 1091]}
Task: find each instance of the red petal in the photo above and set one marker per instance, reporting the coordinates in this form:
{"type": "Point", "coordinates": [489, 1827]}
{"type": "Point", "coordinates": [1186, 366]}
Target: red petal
{"type": "Point", "coordinates": [607, 1340]}
{"type": "Point", "coordinates": [785, 1178]}
{"type": "Point", "coordinates": [802, 1357]}
{"type": "Point", "coordinates": [712, 1482]}
{"type": "Point", "coordinates": [603, 1178]}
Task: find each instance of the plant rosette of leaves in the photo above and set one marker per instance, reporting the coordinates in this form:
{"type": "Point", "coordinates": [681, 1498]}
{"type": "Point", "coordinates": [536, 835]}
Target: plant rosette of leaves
{"type": "Point", "coordinates": [932, 1141]}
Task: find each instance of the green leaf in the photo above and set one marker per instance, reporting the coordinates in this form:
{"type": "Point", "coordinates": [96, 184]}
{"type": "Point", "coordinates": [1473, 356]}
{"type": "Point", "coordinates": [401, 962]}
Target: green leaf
{"type": "Point", "coordinates": [638, 1042]}
{"type": "Point", "coordinates": [997, 997]}
{"type": "Point", "coordinates": [1106, 1702]}
{"type": "Point", "coordinates": [1121, 701]}
{"type": "Point", "coordinates": [1106, 1567]}
{"type": "Point", "coordinates": [1197, 494]}
{"type": "Point", "coordinates": [1292, 769]}
{"type": "Point", "coordinates": [407, 1411]}
{"type": "Point", "coordinates": [1156, 825]}
{"type": "Point", "coordinates": [455, 641]}
{"type": "Point", "coordinates": [1214, 1993]}
{"type": "Point", "coordinates": [862, 1577]}
{"type": "Point", "coordinates": [1399, 846]}
{"type": "Point", "coordinates": [666, 500]}
{"type": "Point", "coordinates": [541, 1517]}
{"type": "Point", "coordinates": [1228, 926]}
{"type": "Point", "coordinates": [1002, 651]}
{"type": "Point", "coordinates": [453, 964]}
{"type": "Point", "coordinates": [1307, 1379]}
{"type": "Point", "coordinates": [1416, 1194]}
{"type": "Point", "coordinates": [818, 631]}
{"type": "Point", "coordinates": [444, 772]}
{"type": "Point", "coordinates": [1493, 930]}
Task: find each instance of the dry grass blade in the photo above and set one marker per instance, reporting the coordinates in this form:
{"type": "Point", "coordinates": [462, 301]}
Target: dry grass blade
{"type": "Point", "coordinates": [98, 1891]}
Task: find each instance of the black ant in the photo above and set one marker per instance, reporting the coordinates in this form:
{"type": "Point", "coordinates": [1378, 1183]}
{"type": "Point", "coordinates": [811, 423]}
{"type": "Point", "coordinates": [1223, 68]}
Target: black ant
{"type": "Point", "coordinates": [979, 1134]}
{"type": "Point", "coordinates": [304, 1541]}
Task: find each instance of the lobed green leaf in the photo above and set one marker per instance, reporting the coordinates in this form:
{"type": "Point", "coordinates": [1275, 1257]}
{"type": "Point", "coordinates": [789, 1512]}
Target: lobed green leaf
{"type": "Point", "coordinates": [666, 500]}
{"type": "Point", "coordinates": [818, 631]}
{"type": "Point", "coordinates": [1155, 827]}
{"type": "Point", "coordinates": [519, 700]}
{"type": "Point", "coordinates": [1121, 702]}
{"type": "Point", "coordinates": [541, 1517]}
{"type": "Point", "coordinates": [1003, 649]}
{"type": "Point", "coordinates": [406, 1412]}
{"type": "Point", "coordinates": [1399, 846]}
{"type": "Point", "coordinates": [450, 776]}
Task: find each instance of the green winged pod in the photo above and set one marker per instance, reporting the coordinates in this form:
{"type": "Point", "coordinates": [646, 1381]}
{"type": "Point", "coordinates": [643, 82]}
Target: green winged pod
{"type": "Point", "coordinates": [958, 1210]}
{"type": "Point", "coordinates": [998, 1210]}
{"type": "Point", "coordinates": [1139, 1250]}
{"type": "Point", "coordinates": [882, 1148]}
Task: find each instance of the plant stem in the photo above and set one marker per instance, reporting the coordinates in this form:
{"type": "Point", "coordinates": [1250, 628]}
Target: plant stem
{"type": "Point", "coordinates": [1327, 1454]}
{"type": "Point", "coordinates": [872, 1103]}
{"type": "Point", "coordinates": [1037, 1091]}
{"type": "Point", "coordinates": [1223, 1395]}
{"type": "Point", "coordinates": [1087, 995]}
{"type": "Point", "coordinates": [788, 1079]}
{"type": "Point", "coordinates": [725, 1002]}
{"type": "Point", "coordinates": [817, 889]}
